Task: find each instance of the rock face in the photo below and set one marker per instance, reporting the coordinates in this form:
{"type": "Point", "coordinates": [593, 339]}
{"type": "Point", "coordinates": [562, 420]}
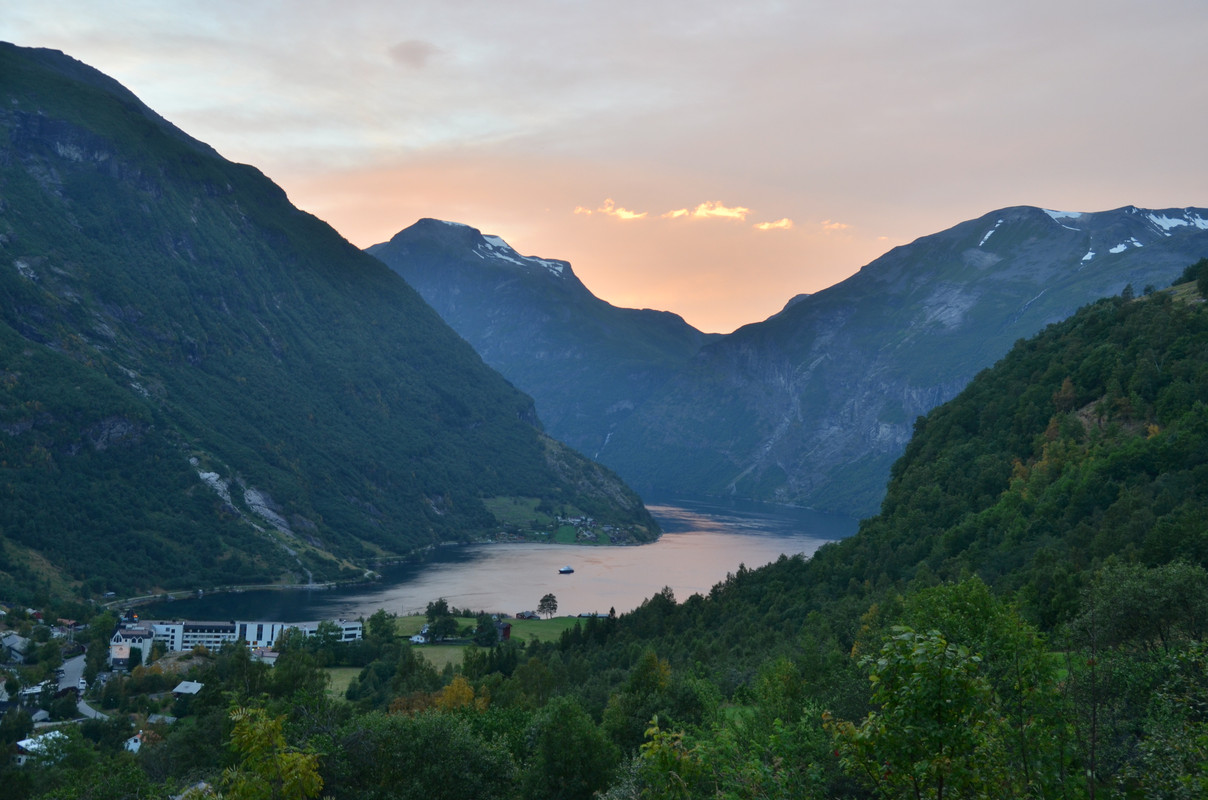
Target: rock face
{"type": "Point", "coordinates": [812, 405]}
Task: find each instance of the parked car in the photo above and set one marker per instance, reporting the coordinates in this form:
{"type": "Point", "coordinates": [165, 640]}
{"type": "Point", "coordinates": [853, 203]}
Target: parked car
{"type": "Point", "coordinates": [417, 639]}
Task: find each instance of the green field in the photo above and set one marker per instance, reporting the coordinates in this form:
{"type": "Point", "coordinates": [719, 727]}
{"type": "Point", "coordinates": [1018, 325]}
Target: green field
{"type": "Point", "coordinates": [544, 630]}
{"type": "Point", "coordinates": [340, 678]}
{"type": "Point", "coordinates": [438, 655]}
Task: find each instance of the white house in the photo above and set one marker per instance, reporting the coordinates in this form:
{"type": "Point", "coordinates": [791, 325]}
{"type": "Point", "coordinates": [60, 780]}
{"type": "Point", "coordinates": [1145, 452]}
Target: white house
{"type": "Point", "coordinates": [43, 745]}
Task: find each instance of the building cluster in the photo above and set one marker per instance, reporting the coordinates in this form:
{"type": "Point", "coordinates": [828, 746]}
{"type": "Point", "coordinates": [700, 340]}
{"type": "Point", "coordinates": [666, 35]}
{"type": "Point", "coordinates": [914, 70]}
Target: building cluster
{"type": "Point", "coordinates": [135, 635]}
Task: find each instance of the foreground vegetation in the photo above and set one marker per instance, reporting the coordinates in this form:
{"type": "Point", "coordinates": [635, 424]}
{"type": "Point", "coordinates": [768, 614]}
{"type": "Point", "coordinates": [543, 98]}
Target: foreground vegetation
{"type": "Point", "coordinates": [1026, 618]}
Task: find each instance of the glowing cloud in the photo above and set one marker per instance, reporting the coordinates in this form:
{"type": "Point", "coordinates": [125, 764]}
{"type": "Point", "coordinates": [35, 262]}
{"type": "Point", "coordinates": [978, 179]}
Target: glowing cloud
{"type": "Point", "coordinates": [710, 210]}
{"type": "Point", "coordinates": [611, 209]}
{"type": "Point", "coordinates": [830, 225]}
{"type": "Point", "coordinates": [779, 225]}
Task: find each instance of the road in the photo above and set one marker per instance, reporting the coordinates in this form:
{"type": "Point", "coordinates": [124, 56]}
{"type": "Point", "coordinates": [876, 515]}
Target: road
{"type": "Point", "coordinates": [73, 672]}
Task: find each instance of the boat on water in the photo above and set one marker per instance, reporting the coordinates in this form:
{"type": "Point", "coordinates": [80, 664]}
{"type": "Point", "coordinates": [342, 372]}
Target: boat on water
{"type": "Point", "coordinates": [566, 570]}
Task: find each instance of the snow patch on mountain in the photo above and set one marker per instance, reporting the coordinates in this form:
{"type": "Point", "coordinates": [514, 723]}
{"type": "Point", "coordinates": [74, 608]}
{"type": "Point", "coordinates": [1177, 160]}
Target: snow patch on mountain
{"type": "Point", "coordinates": [1120, 248]}
{"type": "Point", "coordinates": [989, 232]}
{"type": "Point", "coordinates": [495, 247]}
{"type": "Point", "coordinates": [1165, 223]}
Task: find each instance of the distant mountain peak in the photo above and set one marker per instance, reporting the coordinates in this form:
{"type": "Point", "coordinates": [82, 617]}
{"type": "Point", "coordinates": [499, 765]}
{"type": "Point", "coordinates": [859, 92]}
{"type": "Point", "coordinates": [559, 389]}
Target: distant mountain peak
{"type": "Point", "coordinates": [457, 236]}
{"type": "Point", "coordinates": [1105, 233]}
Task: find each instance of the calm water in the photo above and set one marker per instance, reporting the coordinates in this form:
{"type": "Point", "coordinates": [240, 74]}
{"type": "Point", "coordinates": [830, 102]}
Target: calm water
{"type": "Point", "coordinates": [701, 543]}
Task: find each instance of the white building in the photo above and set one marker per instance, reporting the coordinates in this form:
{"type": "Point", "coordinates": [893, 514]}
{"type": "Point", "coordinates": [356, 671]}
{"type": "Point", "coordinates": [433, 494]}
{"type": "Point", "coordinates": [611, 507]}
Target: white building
{"type": "Point", "coordinates": [45, 745]}
{"type": "Point", "coordinates": [185, 635]}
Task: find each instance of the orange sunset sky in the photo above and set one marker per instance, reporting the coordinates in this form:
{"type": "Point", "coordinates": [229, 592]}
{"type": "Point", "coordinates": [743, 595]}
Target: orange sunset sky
{"type": "Point", "coordinates": [708, 158]}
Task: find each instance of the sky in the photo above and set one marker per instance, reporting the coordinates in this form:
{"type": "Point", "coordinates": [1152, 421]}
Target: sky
{"type": "Point", "coordinates": [709, 158]}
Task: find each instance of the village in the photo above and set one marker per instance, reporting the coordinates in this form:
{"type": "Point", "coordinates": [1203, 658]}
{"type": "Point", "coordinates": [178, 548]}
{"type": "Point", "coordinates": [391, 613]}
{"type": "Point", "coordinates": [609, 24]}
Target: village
{"type": "Point", "coordinates": [133, 677]}
{"type": "Point", "coordinates": [53, 672]}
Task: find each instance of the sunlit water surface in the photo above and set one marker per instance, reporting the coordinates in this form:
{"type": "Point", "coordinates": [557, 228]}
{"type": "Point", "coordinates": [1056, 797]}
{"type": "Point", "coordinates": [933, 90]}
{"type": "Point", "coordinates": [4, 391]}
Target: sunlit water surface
{"type": "Point", "coordinates": [701, 543]}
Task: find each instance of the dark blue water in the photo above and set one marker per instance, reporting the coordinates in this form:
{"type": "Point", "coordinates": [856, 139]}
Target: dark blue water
{"type": "Point", "coordinates": [701, 543]}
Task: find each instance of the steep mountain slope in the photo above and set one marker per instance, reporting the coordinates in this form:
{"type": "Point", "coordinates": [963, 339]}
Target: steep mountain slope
{"type": "Point", "coordinates": [1085, 444]}
{"type": "Point", "coordinates": [813, 405]}
{"type": "Point", "coordinates": [199, 382]}
{"type": "Point", "coordinates": [586, 363]}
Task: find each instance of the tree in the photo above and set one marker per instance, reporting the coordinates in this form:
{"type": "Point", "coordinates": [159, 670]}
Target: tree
{"type": "Point", "coordinates": [425, 756]}
{"type": "Point", "coordinates": [381, 626]}
{"type": "Point", "coordinates": [444, 627]}
{"type": "Point", "coordinates": [459, 694]}
{"type": "Point", "coordinates": [548, 605]}
{"type": "Point", "coordinates": [570, 758]}
{"type": "Point", "coordinates": [437, 608]}
{"type": "Point", "coordinates": [936, 731]}
{"type": "Point", "coordinates": [15, 726]}
{"type": "Point", "coordinates": [268, 768]}
{"type": "Point", "coordinates": [485, 634]}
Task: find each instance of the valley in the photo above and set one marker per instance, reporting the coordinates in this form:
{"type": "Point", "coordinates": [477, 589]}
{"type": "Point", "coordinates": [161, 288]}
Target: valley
{"type": "Point", "coordinates": [203, 386]}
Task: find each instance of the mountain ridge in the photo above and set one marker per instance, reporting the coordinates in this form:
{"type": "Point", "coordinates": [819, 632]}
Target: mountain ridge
{"type": "Point", "coordinates": [534, 320]}
{"type": "Point", "coordinates": [811, 405]}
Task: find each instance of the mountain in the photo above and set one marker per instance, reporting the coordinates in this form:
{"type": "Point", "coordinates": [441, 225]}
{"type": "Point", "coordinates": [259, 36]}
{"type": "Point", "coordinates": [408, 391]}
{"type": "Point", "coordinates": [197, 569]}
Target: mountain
{"type": "Point", "coordinates": [201, 384]}
{"type": "Point", "coordinates": [812, 405]}
{"type": "Point", "coordinates": [1085, 444]}
{"type": "Point", "coordinates": [586, 363]}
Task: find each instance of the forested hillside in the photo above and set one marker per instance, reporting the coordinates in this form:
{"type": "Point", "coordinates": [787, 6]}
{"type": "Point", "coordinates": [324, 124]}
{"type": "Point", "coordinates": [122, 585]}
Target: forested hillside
{"type": "Point", "coordinates": [1025, 618]}
{"type": "Point", "coordinates": [201, 384]}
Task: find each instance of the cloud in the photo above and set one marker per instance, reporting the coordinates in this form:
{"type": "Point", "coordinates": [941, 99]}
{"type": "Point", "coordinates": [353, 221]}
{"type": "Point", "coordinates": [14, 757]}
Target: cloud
{"type": "Point", "coordinates": [830, 225]}
{"type": "Point", "coordinates": [714, 209]}
{"type": "Point", "coordinates": [782, 224]}
{"type": "Point", "coordinates": [413, 53]}
{"type": "Point", "coordinates": [613, 210]}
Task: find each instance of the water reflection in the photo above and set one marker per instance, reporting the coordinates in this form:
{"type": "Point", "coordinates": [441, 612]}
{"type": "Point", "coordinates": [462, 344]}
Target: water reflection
{"type": "Point", "coordinates": [702, 542]}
